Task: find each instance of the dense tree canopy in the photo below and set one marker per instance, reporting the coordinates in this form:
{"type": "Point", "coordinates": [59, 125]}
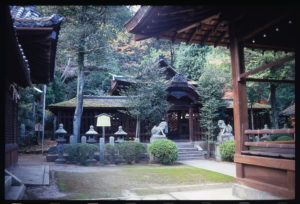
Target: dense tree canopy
{"type": "Point", "coordinates": [93, 39]}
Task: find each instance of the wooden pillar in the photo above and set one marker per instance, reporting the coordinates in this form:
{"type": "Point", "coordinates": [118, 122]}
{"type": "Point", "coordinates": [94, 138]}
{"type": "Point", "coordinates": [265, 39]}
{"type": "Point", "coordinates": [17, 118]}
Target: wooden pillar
{"type": "Point", "coordinates": [240, 108]}
{"type": "Point", "coordinates": [191, 126]}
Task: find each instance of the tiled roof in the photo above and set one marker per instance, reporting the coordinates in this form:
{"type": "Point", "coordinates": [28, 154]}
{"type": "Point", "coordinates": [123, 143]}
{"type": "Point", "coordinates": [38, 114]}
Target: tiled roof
{"type": "Point", "coordinates": [288, 111]}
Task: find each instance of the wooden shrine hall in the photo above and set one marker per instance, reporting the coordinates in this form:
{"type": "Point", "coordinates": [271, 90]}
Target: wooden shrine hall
{"type": "Point", "coordinates": [30, 49]}
{"type": "Point", "coordinates": [182, 117]}
{"type": "Point", "coordinates": [270, 167]}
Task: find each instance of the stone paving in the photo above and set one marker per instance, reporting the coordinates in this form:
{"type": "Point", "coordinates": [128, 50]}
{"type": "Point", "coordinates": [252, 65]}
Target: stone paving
{"type": "Point", "coordinates": [227, 168]}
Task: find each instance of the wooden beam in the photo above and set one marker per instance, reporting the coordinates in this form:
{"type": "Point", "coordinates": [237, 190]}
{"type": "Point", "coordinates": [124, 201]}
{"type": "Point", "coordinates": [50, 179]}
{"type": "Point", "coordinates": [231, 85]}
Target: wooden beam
{"type": "Point", "coordinates": [271, 131]}
{"type": "Point", "coordinates": [269, 80]}
{"type": "Point", "coordinates": [210, 31]}
{"type": "Point", "coordinates": [266, 66]}
{"type": "Point", "coordinates": [275, 163]}
{"type": "Point", "coordinates": [219, 38]}
{"type": "Point", "coordinates": [268, 24]}
{"type": "Point", "coordinates": [240, 107]}
{"type": "Point", "coordinates": [189, 27]}
{"type": "Point", "coordinates": [138, 37]}
{"type": "Point", "coordinates": [34, 28]}
{"type": "Point", "coordinates": [269, 145]}
{"type": "Point", "coordinates": [191, 126]}
{"type": "Point", "coordinates": [192, 35]}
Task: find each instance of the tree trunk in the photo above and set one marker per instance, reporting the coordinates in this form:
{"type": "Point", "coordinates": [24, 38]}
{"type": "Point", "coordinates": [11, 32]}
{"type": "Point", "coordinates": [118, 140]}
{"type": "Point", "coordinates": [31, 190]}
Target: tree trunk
{"type": "Point", "coordinates": [274, 114]}
{"type": "Point", "coordinates": [172, 53]}
{"type": "Point", "coordinates": [138, 129]}
{"type": "Point", "coordinates": [79, 106]}
{"type": "Point", "coordinates": [80, 81]}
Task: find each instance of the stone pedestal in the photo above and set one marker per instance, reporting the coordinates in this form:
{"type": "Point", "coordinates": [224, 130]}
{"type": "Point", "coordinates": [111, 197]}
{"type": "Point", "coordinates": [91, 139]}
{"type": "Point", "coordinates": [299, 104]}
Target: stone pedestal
{"type": "Point", "coordinates": [157, 137]}
{"type": "Point", "coordinates": [217, 152]}
{"type": "Point", "coordinates": [101, 151]}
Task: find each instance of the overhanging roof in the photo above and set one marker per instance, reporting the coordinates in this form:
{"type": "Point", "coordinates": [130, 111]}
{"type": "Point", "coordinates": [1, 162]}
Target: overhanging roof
{"type": "Point", "coordinates": [94, 102]}
{"type": "Point", "coordinates": [38, 37]}
{"type": "Point", "coordinates": [263, 27]}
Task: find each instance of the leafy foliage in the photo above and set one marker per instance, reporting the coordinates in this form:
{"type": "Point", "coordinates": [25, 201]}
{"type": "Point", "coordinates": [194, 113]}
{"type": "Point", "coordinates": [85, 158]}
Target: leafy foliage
{"type": "Point", "coordinates": [164, 151]}
{"type": "Point", "coordinates": [80, 153]}
{"type": "Point", "coordinates": [148, 97]}
{"type": "Point", "coordinates": [210, 86]}
{"type": "Point", "coordinates": [190, 60]}
{"type": "Point", "coordinates": [130, 150]}
{"type": "Point", "coordinates": [284, 138]}
{"type": "Point", "coordinates": [227, 150]}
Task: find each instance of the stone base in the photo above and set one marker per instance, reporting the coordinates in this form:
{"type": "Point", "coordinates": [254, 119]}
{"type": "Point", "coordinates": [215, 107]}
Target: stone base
{"type": "Point", "coordinates": [91, 161]}
{"type": "Point", "coordinates": [248, 193]}
{"type": "Point", "coordinates": [60, 161]}
{"type": "Point", "coordinates": [217, 153]}
{"type": "Point", "coordinates": [157, 137]}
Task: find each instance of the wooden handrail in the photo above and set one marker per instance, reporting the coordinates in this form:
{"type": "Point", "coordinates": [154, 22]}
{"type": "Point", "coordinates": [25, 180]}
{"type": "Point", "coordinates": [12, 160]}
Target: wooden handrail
{"type": "Point", "coordinates": [271, 131]}
{"type": "Point", "coordinates": [269, 145]}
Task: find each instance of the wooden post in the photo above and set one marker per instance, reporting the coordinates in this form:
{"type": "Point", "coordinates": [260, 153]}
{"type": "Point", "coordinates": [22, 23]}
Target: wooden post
{"type": "Point", "coordinates": [191, 126]}
{"type": "Point", "coordinates": [240, 108]}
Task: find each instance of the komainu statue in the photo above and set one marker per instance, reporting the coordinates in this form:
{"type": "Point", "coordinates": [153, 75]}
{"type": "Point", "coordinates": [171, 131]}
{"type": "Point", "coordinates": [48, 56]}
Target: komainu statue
{"type": "Point", "coordinates": [225, 132]}
{"type": "Point", "coordinates": [159, 132]}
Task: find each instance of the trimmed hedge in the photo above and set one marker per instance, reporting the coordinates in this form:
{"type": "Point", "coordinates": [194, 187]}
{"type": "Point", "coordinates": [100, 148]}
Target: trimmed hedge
{"type": "Point", "coordinates": [227, 150]}
{"type": "Point", "coordinates": [80, 153]}
{"type": "Point", "coordinates": [130, 150]}
{"type": "Point", "coordinates": [284, 138]}
{"type": "Point", "coordinates": [164, 151]}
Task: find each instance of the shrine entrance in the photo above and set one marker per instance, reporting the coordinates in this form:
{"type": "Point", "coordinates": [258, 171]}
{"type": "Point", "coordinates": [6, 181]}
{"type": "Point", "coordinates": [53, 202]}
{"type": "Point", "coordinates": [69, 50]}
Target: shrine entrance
{"type": "Point", "coordinates": [183, 114]}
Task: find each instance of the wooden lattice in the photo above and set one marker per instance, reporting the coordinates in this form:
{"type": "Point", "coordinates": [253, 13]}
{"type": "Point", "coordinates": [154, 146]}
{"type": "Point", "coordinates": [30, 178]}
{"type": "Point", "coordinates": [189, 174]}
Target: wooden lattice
{"type": "Point", "coordinates": [172, 120]}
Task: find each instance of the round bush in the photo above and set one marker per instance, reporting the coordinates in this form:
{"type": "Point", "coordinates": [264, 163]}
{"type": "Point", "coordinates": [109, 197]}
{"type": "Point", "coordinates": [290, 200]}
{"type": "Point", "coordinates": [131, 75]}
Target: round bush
{"type": "Point", "coordinates": [284, 138]}
{"type": "Point", "coordinates": [130, 150]}
{"type": "Point", "coordinates": [164, 151]}
{"type": "Point", "coordinates": [80, 153]}
{"type": "Point", "coordinates": [227, 150]}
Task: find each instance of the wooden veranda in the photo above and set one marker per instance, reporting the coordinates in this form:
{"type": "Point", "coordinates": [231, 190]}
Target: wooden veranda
{"type": "Point", "coordinates": [271, 169]}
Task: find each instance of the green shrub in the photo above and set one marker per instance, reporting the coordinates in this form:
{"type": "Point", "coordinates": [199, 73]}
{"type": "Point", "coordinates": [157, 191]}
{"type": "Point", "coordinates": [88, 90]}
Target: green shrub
{"type": "Point", "coordinates": [227, 150]}
{"type": "Point", "coordinates": [164, 151]}
{"type": "Point", "coordinates": [109, 153]}
{"type": "Point", "coordinates": [80, 153]}
{"type": "Point", "coordinates": [130, 150]}
{"type": "Point", "coordinates": [284, 138]}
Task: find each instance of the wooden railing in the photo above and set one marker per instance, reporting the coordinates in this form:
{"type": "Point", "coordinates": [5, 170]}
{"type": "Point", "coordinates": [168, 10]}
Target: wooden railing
{"type": "Point", "coordinates": [278, 149]}
{"type": "Point", "coordinates": [271, 131]}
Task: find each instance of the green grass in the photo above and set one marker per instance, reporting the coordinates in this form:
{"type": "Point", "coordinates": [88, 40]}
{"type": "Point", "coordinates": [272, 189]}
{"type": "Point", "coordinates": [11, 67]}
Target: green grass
{"type": "Point", "coordinates": [142, 179]}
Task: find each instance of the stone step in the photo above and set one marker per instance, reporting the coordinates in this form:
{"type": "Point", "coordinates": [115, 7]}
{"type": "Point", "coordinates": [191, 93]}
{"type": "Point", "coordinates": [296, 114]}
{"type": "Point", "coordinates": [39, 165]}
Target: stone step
{"type": "Point", "coordinates": [15, 193]}
{"type": "Point", "coordinates": [190, 153]}
{"type": "Point", "coordinates": [184, 145]}
{"type": "Point", "coordinates": [187, 149]}
{"type": "Point", "coordinates": [8, 182]}
{"type": "Point", "coordinates": [191, 158]}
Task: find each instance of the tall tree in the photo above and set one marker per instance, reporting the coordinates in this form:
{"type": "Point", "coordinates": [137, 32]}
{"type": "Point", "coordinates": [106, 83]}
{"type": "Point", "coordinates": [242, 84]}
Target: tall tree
{"type": "Point", "coordinates": [190, 59]}
{"type": "Point", "coordinates": [210, 85]}
{"type": "Point", "coordinates": [148, 98]}
{"type": "Point", "coordinates": [85, 38]}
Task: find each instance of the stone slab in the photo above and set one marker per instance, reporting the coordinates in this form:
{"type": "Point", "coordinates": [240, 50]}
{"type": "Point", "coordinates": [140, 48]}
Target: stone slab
{"type": "Point", "coordinates": [32, 175]}
{"type": "Point", "coordinates": [248, 193]}
{"type": "Point", "coordinates": [212, 194]}
{"type": "Point", "coordinates": [227, 168]}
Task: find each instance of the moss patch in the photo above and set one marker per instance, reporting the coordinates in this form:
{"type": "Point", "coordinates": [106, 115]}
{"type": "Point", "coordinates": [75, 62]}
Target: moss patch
{"type": "Point", "coordinates": [141, 179]}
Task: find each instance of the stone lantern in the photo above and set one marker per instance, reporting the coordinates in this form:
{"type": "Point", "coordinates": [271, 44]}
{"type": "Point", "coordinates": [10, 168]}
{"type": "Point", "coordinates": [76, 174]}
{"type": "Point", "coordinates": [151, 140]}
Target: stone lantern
{"type": "Point", "coordinates": [120, 134]}
{"type": "Point", "coordinates": [91, 133]}
{"type": "Point", "coordinates": [60, 132]}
